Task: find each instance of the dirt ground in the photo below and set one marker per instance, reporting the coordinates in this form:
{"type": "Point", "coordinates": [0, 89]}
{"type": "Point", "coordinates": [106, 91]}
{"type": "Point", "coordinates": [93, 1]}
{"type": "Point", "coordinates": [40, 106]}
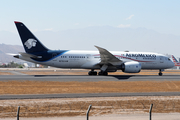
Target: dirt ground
{"type": "Point", "coordinates": [155, 116]}
{"type": "Point", "coordinates": [53, 87]}
{"type": "Point", "coordinates": [100, 106]}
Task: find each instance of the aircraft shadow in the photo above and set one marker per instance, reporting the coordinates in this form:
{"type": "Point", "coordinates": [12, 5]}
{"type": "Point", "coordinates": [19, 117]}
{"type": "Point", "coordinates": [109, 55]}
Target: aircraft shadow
{"type": "Point", "coordinates": [122, 77]}
{"type": "Point", "coordinates": [119, 77]}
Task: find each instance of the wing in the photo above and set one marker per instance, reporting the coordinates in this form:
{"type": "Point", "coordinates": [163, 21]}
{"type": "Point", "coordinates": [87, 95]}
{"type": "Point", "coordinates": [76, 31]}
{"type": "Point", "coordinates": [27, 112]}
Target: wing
{"type": "Point", "coordinates": [106, 56]}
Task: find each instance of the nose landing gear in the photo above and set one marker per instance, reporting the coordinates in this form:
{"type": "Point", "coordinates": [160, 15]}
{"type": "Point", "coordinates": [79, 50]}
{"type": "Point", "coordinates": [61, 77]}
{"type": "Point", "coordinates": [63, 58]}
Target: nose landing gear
{"type": "Point", "coordinates": [160, 72]}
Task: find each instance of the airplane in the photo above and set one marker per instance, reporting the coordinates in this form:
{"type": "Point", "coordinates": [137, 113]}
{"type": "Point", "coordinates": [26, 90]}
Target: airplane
{"type": "Point", "coordinates": [103, 60]}
{"type": "Point", "coordinates": [176, 63]}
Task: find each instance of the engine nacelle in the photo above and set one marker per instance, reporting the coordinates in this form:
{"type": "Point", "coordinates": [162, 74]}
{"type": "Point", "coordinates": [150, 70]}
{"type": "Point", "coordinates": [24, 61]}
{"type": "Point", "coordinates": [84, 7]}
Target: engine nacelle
{"type": "Point", "coordinates": [131, 67]}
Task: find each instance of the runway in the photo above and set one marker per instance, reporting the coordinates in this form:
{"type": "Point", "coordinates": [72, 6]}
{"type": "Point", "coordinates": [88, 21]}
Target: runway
{"type": "Point", "coordinates": [86, 95]}
{"type": "Point", "coordinates": [86, 78]}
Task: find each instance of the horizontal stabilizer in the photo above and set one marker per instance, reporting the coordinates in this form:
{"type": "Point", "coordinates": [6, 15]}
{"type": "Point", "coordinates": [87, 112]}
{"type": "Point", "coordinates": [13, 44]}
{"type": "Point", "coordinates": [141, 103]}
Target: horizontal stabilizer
{"type": "Point", "coordinates": [29, 55]}
{"type": "Point", "coordinates": [11, 54]}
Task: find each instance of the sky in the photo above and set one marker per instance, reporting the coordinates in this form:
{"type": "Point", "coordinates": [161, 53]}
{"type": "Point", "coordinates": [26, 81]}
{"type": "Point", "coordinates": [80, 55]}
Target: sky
{"type": "Point", "coordinates": [162, 16]}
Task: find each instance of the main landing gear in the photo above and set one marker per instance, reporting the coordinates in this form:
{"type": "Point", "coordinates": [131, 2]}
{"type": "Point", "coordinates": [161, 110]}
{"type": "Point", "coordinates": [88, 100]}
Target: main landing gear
{"type": "Point", "coordinates": [92, 72]}
{"type": "Point", "coordinates": [160, 72]}
{"type": "Point", "coordinates": [103, 73]}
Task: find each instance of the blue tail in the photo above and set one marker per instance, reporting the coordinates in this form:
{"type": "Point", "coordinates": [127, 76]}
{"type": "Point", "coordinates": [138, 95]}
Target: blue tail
{"type": "Point", "coordinates": [30, 42]}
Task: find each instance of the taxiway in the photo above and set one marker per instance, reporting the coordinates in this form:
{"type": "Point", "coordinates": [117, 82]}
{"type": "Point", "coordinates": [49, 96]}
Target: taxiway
{"type": "Point", "coordinates": [86, 78]}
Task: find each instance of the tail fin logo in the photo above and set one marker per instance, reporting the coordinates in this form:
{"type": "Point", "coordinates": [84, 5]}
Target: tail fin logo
{"type": "Point", "coordinates": [30, 43]}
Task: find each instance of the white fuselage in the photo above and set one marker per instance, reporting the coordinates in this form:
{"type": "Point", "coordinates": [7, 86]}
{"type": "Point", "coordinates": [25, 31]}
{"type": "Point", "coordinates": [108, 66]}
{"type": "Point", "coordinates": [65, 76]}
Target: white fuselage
{"type": "Point", "coordinates": [90, 60]}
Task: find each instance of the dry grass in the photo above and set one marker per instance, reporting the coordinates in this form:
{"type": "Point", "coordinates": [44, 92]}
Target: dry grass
{"type": "Point", "coordinates": [78, 106]}
{"type": "Point", "coordinates": [5, 73]}
{"type": "Point", "coordinates": [50, 87]}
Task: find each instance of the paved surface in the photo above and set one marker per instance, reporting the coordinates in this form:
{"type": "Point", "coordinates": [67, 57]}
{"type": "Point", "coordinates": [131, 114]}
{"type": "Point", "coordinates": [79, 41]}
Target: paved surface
{"type": "Point", "coordinates": [83, 95]}
{"type": "Point", "coordinates": [15, 72]}
{"type": "Point", "coordinates": [86, 78]}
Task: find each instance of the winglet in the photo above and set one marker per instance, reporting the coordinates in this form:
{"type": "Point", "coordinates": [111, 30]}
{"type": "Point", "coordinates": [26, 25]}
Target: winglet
{"type": "Point", "coordinates": [98, 47]}
{"type": "Point", "coordinates": [17, 22]}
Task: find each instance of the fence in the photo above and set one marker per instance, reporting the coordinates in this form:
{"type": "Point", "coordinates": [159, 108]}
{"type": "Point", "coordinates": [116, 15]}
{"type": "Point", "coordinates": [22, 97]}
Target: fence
{"type": "Point", "coordinates": [98, 108]}
{"type": "Point", "coordinates": [87, 114]}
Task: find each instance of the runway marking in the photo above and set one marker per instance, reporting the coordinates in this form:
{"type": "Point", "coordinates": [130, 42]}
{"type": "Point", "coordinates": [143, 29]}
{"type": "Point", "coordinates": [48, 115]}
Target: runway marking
{"type": "Point", "coordinates": [177, 87]}
{"type": "Point", "coordinates": [17, 73]}
{"type": "Point", "coordinates": [169, 87]}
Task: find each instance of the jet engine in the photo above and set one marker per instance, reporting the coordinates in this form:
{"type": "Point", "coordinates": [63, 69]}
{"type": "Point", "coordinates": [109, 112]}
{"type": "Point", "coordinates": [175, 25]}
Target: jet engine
{"type": "Point", "coordinates": [131, 67]}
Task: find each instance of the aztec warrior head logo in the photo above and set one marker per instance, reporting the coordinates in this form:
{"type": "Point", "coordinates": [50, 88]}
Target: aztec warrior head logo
{"type": "Point", "coordinates": [30, 43]}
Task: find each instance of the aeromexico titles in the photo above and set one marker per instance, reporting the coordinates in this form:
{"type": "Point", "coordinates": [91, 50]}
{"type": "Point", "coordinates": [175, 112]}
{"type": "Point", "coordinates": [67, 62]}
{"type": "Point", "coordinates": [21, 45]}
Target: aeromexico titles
{"type": "Point", "coordinates": [103, 60]}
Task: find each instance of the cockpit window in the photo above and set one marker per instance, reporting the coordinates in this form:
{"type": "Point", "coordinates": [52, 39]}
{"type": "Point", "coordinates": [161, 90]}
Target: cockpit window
{"type": "Point", "coordinates": [168, 59]}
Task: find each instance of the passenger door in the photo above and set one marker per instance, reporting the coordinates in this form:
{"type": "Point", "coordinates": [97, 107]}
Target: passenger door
{"type": "Point", "coordinates": [161, 59]}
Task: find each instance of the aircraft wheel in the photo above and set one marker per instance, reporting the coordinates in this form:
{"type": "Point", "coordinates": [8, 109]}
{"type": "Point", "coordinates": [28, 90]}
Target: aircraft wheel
{"type": "Point", "coordinates": [89, 73]}
{"type": "Point", "coordinates": [92, 73]}
{"type": "Point", "coordinates": [160, 74]}
{"type": "Point", "coordinates": [100, 73]}
{"type": "Point", "coordinates": [103, 73]}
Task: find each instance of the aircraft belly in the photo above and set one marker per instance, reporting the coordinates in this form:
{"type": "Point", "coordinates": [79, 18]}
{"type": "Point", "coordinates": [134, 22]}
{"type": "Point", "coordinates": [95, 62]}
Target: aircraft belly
{"type": "Point", "coordinates": [90, 65]}
{"type": "Point", "coordinates": [149, 65]}
{"type": "Point", "coordinates": [75, 63]}
{"type": "Point", "coordinates": [153, 65]}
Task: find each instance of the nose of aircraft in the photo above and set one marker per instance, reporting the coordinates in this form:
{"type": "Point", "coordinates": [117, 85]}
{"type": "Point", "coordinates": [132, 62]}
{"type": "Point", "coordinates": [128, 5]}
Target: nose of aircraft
{"type": "Point", "coordinates": [171, 64]}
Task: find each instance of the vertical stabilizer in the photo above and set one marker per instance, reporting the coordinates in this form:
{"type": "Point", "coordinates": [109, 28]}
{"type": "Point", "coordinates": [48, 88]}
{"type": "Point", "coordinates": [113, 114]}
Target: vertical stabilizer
{"type": "Point", "coordinates": [30, 42]}
{"type": "Point", "coordinates": [175, 61]}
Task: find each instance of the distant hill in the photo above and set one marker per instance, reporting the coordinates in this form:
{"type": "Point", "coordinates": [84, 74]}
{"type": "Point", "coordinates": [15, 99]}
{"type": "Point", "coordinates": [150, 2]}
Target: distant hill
{"type": "Point", "coordinates": [4, 58]}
